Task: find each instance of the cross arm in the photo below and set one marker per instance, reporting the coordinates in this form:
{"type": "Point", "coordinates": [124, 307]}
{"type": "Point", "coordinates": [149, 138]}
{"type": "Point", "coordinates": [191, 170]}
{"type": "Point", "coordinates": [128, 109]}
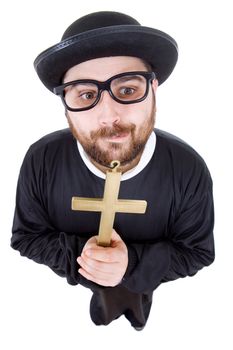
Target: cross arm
{"type": "Point", "coordinates": [131, 206]}
{"type": "Point", "coordinates": [87, 204]}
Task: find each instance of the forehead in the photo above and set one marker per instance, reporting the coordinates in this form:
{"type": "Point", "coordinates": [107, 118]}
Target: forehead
{"type": "Point", "coordinates": [104, 68]}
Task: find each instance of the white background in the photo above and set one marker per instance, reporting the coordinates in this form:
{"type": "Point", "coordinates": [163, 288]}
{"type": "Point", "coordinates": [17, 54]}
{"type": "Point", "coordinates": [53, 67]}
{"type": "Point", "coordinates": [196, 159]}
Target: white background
{"type": "Point", "coordinates": [39, 310]}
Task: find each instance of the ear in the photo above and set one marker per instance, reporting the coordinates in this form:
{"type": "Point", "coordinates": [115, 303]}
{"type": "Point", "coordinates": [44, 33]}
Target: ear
{"type": "Point", "coordinates": [155, 84]}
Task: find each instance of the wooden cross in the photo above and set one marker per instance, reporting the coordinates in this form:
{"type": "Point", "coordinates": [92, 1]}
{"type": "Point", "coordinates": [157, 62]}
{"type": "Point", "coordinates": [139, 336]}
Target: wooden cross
{"type": "Point", "coordinates": [109, 205]}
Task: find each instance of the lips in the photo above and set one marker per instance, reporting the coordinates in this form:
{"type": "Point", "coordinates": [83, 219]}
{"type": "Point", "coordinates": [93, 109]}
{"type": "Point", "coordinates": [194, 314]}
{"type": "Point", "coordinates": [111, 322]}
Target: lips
{"type": "Point", "coordinates": [117, 132]}
{"type": "Point", "coordinates": [117, 136]}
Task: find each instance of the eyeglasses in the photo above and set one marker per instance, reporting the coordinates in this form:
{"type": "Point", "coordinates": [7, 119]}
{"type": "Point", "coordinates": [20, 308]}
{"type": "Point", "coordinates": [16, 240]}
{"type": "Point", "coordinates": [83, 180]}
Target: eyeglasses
{"type": "Point", "coordinates": [125, 88]}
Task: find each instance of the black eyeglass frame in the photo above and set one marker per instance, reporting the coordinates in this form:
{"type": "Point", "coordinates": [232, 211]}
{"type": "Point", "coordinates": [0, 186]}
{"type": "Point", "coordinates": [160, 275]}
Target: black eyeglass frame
{"type": "Point", "coordinates": [102, 86]}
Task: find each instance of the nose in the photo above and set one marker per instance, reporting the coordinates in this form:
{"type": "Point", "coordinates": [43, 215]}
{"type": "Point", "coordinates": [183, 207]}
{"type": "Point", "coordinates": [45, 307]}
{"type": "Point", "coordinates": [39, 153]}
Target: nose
{"type": "Point", "coordinates": [108, 110]}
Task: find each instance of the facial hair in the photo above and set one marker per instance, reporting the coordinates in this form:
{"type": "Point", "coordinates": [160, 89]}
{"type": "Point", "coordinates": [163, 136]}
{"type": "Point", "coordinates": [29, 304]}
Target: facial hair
{"type": "Point", "coordinates": [125, 153]}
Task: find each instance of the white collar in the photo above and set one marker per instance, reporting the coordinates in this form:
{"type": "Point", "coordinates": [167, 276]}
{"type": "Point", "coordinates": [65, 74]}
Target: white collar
{"type": "Point", "coordinates": [144, 160]}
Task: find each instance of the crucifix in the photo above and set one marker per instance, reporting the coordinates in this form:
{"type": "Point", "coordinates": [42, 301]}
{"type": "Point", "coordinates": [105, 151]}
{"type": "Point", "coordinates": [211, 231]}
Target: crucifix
{"type": "Point", "coordinates": [109, 204]}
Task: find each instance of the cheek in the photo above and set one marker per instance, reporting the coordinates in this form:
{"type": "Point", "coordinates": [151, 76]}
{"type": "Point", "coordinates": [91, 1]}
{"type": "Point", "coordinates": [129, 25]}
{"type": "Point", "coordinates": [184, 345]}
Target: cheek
{"type": "Point", "coordinates": [81, 123]}
{"type": "Point", "coordinates": [140, 113]}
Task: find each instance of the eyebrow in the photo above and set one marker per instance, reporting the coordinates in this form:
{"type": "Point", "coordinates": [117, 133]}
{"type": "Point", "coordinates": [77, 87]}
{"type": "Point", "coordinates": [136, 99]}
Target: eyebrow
{"type": "Point", "coordinates": [122, 79]}
{"type": "Point", "coordinates": [129, 77]}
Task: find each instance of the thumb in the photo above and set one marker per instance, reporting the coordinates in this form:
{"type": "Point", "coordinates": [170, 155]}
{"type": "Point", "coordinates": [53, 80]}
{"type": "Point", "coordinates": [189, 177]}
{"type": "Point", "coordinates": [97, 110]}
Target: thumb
{"type": "Point", "coordinates": [115, 237]}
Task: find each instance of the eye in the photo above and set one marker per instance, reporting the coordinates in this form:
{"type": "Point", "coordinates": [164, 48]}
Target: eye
{"type": "Point", "coordinates": [126, 91]}
{"type": "Point", "coordinates": [89, 95]}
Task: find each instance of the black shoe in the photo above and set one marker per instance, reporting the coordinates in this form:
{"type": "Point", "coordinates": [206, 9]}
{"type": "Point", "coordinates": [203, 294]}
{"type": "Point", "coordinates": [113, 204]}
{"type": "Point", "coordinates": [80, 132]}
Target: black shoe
{"type": "Point", "coordinates": [139, 328]}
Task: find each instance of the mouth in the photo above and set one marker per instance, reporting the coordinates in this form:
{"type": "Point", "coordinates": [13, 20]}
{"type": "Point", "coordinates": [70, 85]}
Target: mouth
{"type": "Point", "coordinates": [117, 137]}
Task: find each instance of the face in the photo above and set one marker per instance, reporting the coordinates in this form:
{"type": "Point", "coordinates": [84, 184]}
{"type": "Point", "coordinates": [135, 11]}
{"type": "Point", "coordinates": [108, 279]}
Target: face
{"type": "Point", "coordinates": [111, 130]}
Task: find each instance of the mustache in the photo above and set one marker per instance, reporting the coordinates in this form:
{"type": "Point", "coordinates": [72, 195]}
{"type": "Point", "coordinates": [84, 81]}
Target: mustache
{"type": "Point", "coordinates": [113, 131]}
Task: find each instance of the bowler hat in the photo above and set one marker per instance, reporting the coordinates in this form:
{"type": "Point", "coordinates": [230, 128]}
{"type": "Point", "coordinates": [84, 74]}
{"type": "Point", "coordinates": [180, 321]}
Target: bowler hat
{"type": "Point", "coordinates": [105, 34]}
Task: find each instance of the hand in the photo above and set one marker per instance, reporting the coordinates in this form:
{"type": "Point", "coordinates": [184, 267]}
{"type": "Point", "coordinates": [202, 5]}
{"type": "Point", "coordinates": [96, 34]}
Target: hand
{"type": "Point", "coordinates": [105, 266]}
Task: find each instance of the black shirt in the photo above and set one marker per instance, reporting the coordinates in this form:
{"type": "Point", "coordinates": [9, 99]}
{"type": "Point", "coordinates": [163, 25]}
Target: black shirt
{"type": "Point", "coordinates": [173, 239]}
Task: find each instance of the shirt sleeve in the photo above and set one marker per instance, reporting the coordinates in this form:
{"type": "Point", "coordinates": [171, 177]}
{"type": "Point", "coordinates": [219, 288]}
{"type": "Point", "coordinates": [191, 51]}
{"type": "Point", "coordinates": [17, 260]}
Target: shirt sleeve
{"type": "Point", "coordinates": [33, 233]}
{"type": "Point", "coordinates": [188, 247]}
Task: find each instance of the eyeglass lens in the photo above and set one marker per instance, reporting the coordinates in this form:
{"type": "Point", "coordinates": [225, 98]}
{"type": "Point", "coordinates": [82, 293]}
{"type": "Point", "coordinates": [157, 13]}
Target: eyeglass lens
{"type": "Point", "coordinates": [124, 89]}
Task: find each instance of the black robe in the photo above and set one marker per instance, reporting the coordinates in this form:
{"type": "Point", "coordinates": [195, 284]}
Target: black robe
{"type": "Point", "coordinates": [173, 239]}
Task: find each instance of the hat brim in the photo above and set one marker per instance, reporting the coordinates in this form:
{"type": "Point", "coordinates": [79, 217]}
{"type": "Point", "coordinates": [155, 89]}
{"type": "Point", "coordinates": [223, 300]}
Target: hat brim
{"type": "Point", "coordinates": [151, 45]}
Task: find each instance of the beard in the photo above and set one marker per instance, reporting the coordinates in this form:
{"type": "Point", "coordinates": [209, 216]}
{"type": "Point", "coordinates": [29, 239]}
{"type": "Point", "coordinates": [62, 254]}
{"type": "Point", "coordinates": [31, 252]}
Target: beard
{"type": "Point", "coordinates": [124, 152]}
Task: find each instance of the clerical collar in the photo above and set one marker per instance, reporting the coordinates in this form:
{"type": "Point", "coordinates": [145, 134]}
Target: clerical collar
{"type": "Point", "coordinates": [144, 160]}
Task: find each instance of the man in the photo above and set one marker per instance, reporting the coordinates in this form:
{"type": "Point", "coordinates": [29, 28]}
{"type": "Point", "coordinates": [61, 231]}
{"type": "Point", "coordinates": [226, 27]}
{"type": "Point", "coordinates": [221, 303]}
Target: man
{"type": "Point", "coordinates": [106, 69]}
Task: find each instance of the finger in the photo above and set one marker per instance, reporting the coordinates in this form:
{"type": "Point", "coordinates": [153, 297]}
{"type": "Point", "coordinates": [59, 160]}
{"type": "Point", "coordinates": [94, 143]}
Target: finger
{"type": "Point", "coordinates": [107, 255]}
{"type": "Point", "coordinates": [91, 243]}
{"type": "Point", "coordinates": [115, 236]}
{"type": "Point", "coordinates": [95, 279]}
{"type": "Point", "coordinates": [95, 267]}
{"type": "Point", "coordinates": [88, 276]}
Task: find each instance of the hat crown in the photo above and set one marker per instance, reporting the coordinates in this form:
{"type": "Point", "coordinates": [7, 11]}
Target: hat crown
{"type": "Point", "coordinates": [98, 20]}
{"type": "Point", "coordinates": [106, 34]}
